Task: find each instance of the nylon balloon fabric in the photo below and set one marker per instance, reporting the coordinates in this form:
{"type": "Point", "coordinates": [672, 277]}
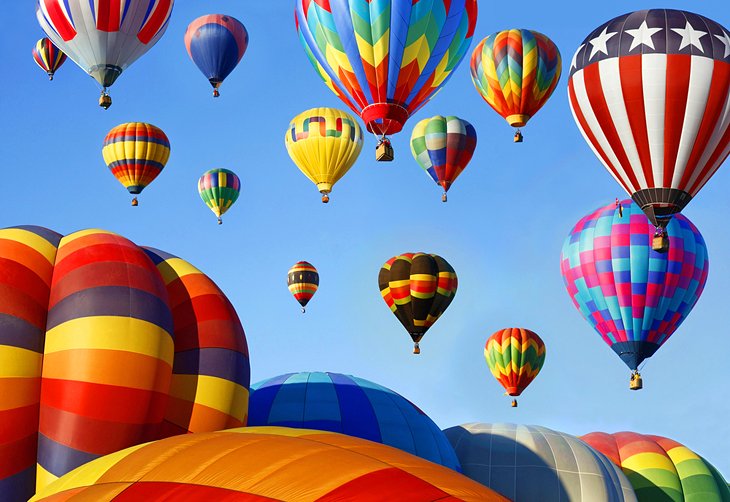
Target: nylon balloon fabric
{"type": "Point", "coordinates": [515, 72]}
{"type": "Point", "coordinates": [106, 345]}
{"type": "Point", "coordinates": [634, 297]}
{"type": "Point", "coordinates": [48, 57]}
{"type": "Point", "coordinates": [136, 153]}
{"type": "Point", "coordinates": [385, 58]}
{"type": "Point", "coordinates": [418, 288]}
{"type": "Point", "coordinates": [660, 468]}
{"type": "Point", "coordinates": [443, 147]}
{"type": "Point", "coordinates": [649, 91]}
{"type": "Point", "coordinates": [303, 281]}
{"type": "Point", "coordinates": [266, 463]}
{"type": "Point", "coordinates": [515, 356]}
{"type": "Point", "coordinates": [219, 189]}
{"type": "Point", "coordinates": [216, 43]}
{"type": "Point", "coordinates": [349, 405]}
{"type": "Point", "coordinates": [104, 38]}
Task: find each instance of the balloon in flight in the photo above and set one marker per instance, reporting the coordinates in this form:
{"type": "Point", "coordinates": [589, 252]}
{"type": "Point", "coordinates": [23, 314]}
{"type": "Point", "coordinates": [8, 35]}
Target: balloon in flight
{"type": "Point", "coordinates": [515, 356]}
{"type": "Point", "coordinates": [303, 281]}
{"type": "Point", "coordinates": [219, 189]}
{"type": "Point", "coordinates": [48, 57]}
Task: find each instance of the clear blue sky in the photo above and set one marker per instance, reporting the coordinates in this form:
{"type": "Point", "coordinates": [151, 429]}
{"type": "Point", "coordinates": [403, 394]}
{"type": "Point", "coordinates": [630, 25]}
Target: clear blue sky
{"type": "Point", "coordinates": [502, 229]}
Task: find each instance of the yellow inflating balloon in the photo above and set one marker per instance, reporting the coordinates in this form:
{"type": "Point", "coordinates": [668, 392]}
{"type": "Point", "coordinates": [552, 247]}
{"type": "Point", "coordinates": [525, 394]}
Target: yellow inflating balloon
{"type": "Point", "coordinates": [324, 143]}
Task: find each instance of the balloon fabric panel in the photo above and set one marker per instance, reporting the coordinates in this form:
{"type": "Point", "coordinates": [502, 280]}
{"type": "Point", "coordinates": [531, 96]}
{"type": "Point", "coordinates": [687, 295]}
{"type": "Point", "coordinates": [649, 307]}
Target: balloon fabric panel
{"type": "Point", "coordinates": [48, 57]}
{"type": "Point", "coordinates": [634, 297]}
{"type": "Point", "coordinates": [515, 357]}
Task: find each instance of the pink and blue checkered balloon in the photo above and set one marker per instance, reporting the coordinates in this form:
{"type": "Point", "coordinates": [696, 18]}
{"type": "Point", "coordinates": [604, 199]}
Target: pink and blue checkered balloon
{"type": "Point", "coordinates": [633, 296]}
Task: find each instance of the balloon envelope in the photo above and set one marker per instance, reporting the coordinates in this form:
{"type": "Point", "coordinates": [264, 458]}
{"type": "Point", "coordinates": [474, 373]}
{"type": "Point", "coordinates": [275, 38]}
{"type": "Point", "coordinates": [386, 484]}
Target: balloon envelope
{"type": "Point", "coordinates": [385, 59]}
{"type": "Point", "coordinates": [515, 72]}
{"type": "Point", "coordinates": [303, 281]}
{"type": "Point", "coordinates": [650, 91]}
{"type": "Point", "coordinates": [219, 189]}
{"type": "Point", "coordinates": [515, 356]}
{"type": "Point", "coordinates": [216, 43]}
{"type": "Point", "coordinates": [48, 57]}
{"type": "Point", "coordinates": [352, 406]}
{"type": "Point", "coordinates": [104, 37]}
{"type": "Point", "coordinates": [634, 297]}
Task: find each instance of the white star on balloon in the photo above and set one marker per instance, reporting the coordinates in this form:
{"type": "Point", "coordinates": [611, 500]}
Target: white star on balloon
{"type": "Point", "coordinates": [725, 39]}
{"type": "Point", "coordinates": [574, 63]}
{"type": "Point", "coordinates": [600, 42]}
{"type": "Point", "coordinates": [642, 36]}
{"type": "Point", "coordinates": [690, 36]}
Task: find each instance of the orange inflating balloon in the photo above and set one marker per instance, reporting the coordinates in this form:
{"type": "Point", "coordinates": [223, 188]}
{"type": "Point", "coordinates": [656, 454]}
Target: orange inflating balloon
{"type": "Point", "coordinates": [266, 463]}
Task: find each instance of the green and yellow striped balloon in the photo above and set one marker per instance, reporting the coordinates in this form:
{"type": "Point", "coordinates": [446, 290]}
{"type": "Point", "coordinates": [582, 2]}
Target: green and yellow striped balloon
{"type": "Point", "coordinates": [515, 356]}
{"type": "Point", "coordinates": [219, 189]}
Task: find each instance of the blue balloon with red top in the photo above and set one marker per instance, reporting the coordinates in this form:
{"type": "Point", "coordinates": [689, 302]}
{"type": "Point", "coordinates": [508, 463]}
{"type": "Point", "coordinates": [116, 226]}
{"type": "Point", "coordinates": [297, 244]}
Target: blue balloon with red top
{"type": "Point", "coordinates": [216, 43]}
{"type": "Point", "coordinates": [349, 405]}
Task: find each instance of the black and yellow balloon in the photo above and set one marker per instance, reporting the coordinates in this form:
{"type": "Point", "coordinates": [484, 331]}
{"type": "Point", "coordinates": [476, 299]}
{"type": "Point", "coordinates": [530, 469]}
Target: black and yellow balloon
{"type": "Point", "coordinates": [324, 143]}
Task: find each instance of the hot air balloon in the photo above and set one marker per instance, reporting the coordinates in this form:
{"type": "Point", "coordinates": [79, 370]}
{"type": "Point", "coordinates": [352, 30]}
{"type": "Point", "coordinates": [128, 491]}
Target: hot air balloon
{"type": "Point", "coordinates": [106, 345]}
{"type": "Point", "coordinates": [216, 44]}
{"type": "Point", "coordinates": [649, 91]}
{"type": "Point", "coordinates": [219, 189]}
{"type": "Point", "coordinates": [443, 146]}
{"type": "Point", "coordinates": [136, 153]}
{"type": "Point", "coordinates": [515, 357]}
{"type": "Point", "coordinates": [633, 296]}
{"type": "Point", "coordinates": [385, 59]}
{"type": "Point", "coordinates": [324, 143]}
{"type": "Point", "coordinates": [48, 57]}
{"type": "Point", "coordinates": [515, 72]}
{"type": "Point", "coordinates": [265, 463]}
{"type": "Point", "coordinates": [303, 281]}
{"type": "Point", "coordinates": [529, 463]}
{"type": "Point", "coordinates": [660, 468]}
{"type": "Point", "coordinates": [418, 288]}
{"type": "Point", "coordinates": [104, 37]}
{"type": "Point", "coordinates": [350, 405]}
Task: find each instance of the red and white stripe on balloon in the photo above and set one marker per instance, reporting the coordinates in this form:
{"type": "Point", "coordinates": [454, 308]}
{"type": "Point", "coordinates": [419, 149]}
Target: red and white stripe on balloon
{"type": "Point", "coordinates": [650, 91]}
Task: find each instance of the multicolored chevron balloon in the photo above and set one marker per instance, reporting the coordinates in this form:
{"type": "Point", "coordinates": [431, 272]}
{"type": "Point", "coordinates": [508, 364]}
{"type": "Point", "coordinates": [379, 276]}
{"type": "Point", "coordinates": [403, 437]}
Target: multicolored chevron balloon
{"type": "Point", "coordinates": [303, 281]}
{"type": "Point", "coordinates": [418, 288]}
{"type": "Point", "coordinates": [48, 56]}
{"type": "Point", "coordinates": [443, 146]}
{"type": "Point", "coordinates": [385, 58]}
{"type": "Point", "coordinates": [516, 72]}
{"type": "Point", "coordinates": [219, 189]}
{"type": "Point", "coordinates": [515, 356]}
{"type": "Point", "coordinates": [660, 468]}
{"type": "Point", "coordinates": [633, 296]}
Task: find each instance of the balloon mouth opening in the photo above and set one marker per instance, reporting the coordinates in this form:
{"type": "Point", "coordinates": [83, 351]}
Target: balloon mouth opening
{"type": "Point", "coordinates": [384, 118]}
{"type": "Point", "coordinates": [517, 120]}
{"type": "Point", "coordinates": [135, 190]}
{"type": "Point", "coordinates": [513, 391]}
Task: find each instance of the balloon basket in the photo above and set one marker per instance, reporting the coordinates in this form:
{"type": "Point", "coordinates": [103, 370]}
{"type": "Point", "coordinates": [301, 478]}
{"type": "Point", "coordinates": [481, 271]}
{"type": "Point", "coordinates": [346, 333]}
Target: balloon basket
{"type": "Point", "coordinates": [416, 348]}
{"type": "Point", "coordinates": [444, 198]}
{"type": "Point", "coordinates": [220, 220]}
{"type": "Point", "coordinates": [216, 93]}
{"type": "Point", "coordinates": [636, 382]}
{"type": "Point", "coordinates": [384, 151]}
{"type": "Point", "coordinates": [304, 310]}
{"type": "Point", "coordinates": [135, 202]}
{"type": "Point", "coordinates": [325, 198]}
{"type": "Point", "coordinates": [105, 101]}
{"type": "Point", "coordinates": [518, 137]}
{"type": "Point", "coordinates": [660, 243]}
{"type": "Point", "coordinates": [514, 403]}
{"type": "Point", "coordinates": [50, 77]}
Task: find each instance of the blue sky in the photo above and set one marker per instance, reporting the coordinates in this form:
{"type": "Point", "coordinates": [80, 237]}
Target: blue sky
{"type": "Point", "coordinates": [502, 229]}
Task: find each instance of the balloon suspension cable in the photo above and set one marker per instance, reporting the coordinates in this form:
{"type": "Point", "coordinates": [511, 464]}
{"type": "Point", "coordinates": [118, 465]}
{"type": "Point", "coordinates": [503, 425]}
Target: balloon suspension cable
{"type": "Point", "coordinates": [135, 202]}
{"type": "Point", "coordinates": [620, 208]}
{"type": "Point", "coordinates": [444, 198]}
{"type": "Point", "coordinates": [220, 220]}
{"type": "Point", "coordinates": [518, 136]}
{"type": "Point", "coordinates": [514, 403]}
{"type": "Point", "coordinates": [416, 348]}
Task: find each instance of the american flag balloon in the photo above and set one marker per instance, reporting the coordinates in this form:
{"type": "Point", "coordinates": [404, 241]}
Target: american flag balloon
{"type": "Point", "coordinates": [104, 37]}
{"type": "Point", "coordinates": [650, 91]}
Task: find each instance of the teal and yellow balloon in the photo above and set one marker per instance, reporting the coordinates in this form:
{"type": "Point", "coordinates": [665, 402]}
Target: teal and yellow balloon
{"type": "Point", "coordinates": [219, 189]}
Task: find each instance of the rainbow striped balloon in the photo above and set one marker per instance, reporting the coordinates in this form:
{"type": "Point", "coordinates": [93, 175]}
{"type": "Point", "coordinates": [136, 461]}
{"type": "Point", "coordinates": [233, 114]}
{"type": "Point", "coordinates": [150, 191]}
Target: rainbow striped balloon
{"type": "Point", "coordinates": [661, 468]}
{"type": "Point", "coordinates": [136, 153]}
{"type": "Point", "coordinates": [219, 189]}
{"type": "Point", "coordinates": [303, 282]}
{"type": "Point", "coordinates": [515, 356]}
{"type": "Point", "coordinates": [106, 345]}
{"type": "Point", "coordinates": [48, 56]}
{"type": "Point", "coordinates": [418, 288]}
{"type": "Point", "coordinates": [385, 58]}
{"type": "Point", "coordinates": [516, 72]}
{"type": "Point", "coordinates": [443, 146]}
{"type": "Point", "coordinates": [634, 297]}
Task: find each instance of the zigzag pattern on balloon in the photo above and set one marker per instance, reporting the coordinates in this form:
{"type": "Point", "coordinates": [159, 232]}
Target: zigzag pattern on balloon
{"type": "Point", "coordinates": [515, 356]}
{"type": "Point", "coordinates": [323, 131]}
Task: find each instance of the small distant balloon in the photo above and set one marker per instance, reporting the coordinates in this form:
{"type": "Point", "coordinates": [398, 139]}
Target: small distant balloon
{"type": "Point", "coordinates": [48, 56]}
{"type": "Point", "coordinates": [216, 43]}
{"type": "Point", "coordinates": [136, 153]}
{"type": "Point", "coordinates": [219, 189]}
{"type": "Point", "coordinates": [303, 282]}
{"type": "Point", "coordinates": [515, 356]}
